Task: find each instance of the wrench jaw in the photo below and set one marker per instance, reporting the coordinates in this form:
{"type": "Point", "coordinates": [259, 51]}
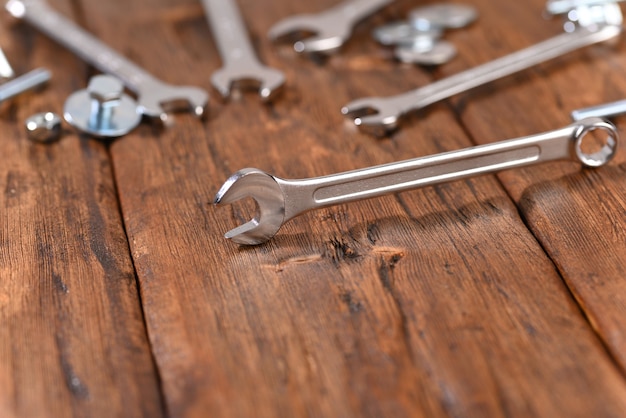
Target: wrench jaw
{"type": "Point", "coordinates": [325, 44]}
{"type": "Point", "coordinates": [270, 200]}
{"type": "Point", "coordinates": [157, 101]}
{"type": "Point", "coordinates": [311, 34]}
{"type": "Point", "coordinates": [374, 116]}
{"type": "Point", "coordinates": [272, 82]}
{"type": "Point", "coordinates": [268, 81]}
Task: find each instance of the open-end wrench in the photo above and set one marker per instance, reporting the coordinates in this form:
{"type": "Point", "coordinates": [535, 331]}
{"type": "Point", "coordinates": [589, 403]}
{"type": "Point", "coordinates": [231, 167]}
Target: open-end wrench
{"type": "Point", "coordinates": [331, 28]}
{"type": "Point", "coordinates": [379, 116]}
{"type": "Point", "coordinates": [280, 200]}
{"type": "Point", "coordinates": [155, 97]}
{"type": "Point", "coordinates": [241, 66]}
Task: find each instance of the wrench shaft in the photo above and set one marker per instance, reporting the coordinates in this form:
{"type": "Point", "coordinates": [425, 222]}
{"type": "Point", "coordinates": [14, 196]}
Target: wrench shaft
{"type": "Point", "coordinates": [229, 31]}
{"type": "Point", "coordinates": [607, 110]}
{"type": "Point", "coordinates": [80, 42]}
{"type": "Point", "coordinates": [560, 144]}
{"type": "Point", "coordinates": [504, 66]}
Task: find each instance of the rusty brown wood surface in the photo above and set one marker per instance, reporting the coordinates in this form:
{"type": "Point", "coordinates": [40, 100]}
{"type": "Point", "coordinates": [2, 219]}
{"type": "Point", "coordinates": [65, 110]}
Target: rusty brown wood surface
{"type": "Point", "coordinates": [502, 295]}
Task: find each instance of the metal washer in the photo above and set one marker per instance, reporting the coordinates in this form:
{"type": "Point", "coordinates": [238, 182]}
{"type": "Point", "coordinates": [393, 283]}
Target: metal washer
{"type": "Point", "coordinates": [125, 117]}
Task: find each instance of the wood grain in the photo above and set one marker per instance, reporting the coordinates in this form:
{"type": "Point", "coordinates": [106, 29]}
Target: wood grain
{"type": "Point", "coordinates": [496, 296]}
{"type": "Point", "coordinates": [432, 303]}
{"type": "Point", "coordinates": [72, 336]}
{"type": "Point", "coordinates": [578, 216]}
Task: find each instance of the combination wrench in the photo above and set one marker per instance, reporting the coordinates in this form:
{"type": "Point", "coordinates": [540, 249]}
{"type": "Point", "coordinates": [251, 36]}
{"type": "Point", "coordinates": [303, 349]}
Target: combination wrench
{"type": "Point", "coordinates": [155, 97]}
{"type": "Point", "coordinates": [379, 116]}
{"type": "Point", "coordinates": [241, 66]}
{"type": "Point", "coordinates": [331, 28]}
{"type": "Point", "coordinates": [279, 200]}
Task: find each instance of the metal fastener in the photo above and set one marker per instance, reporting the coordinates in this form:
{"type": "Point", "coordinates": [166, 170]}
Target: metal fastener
{"type": "Point", "coordinates": [439, 53]}
{"type": "Point", "coordinates": [44, 127]}
{"type": "Point", "coordinates": [23, 83]}
{"type": "Point", "coordinates": [447, 16]}
{"type": "Point", "coordinates": [103, 109]}
{"type": "Point", "coordinates": [399, 33]}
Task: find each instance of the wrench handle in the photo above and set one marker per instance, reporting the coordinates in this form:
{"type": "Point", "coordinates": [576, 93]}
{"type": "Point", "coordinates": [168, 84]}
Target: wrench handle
{"type": "Point", "coordinates": [89, 48]}
{"type": "Point", "coordinates": [502, 67]}
{"type": "Point", "coordinates": [564, 143]}
{"type": "Point", "coordinates": [229, 31]}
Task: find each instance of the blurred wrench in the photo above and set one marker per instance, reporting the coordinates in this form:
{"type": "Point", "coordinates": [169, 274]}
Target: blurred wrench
{"type": "Point", "coordinates": [279, 200]}
{"type": "Point", "coordinates": [604, 111]}
{"type": "Point", "coordinates": [331, 28]}
{"type": "Point", "coordinates": [6, 72]}
{"type": "Point", "coordinates": [155, 98]}
{"type": "Point", "coordinates": [379, 116]}
{"type": "Point", "coordinates": [241, 66]}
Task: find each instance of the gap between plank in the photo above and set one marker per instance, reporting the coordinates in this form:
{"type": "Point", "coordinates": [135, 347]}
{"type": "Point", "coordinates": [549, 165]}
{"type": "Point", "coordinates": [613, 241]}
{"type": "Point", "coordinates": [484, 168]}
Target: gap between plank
{"type": "Point", "coordinates": [524, 220]}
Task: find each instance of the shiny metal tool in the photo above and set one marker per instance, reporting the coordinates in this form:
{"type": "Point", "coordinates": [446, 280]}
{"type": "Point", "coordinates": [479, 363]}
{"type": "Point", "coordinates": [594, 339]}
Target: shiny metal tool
{"type": "Point", "coordinates": [379, 116]}
{"type": "Point", "coordinates": [155, 97]}
{"type": "Point", "coordinates": [6, 72]}
{"type": "Point", "coordinates": [330, 28]}
{"type": "Point", "coordinates": [606, 110]}
{"type": "Point", "coordinates": [29, 81]}
{"type": "Point", "coordinates": [279, 200]}
{"type": "Point", "coordinates": [241, 67]}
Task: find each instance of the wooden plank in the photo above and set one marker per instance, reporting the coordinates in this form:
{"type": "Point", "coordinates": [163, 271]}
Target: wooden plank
{"type": "Point", "coordinates": [437, 302]}
{"type": "Point", "coordinates": [578, 216]}
{"type": "Point", "coordinates": [72, 335]}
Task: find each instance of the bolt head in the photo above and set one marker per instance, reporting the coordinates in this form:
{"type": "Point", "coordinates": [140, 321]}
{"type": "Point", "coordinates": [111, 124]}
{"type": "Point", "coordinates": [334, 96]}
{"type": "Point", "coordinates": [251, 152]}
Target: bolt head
{"type": "Point", "coordinates": [105, 88]}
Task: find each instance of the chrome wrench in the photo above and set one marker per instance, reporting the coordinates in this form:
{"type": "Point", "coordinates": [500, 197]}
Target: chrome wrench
{"type": "Point", "coordinates": [604, 111]}
{"type": "Point", "coordinates": [241, 65]}
{"type": "Point", "coordinates": [379, 116]}
{"type": "Point", "coordinates": [279, 200]}
{"type": "Point", "coordinates": [332, 27]}
{"type": "Point", "coordinates": [155, 97]}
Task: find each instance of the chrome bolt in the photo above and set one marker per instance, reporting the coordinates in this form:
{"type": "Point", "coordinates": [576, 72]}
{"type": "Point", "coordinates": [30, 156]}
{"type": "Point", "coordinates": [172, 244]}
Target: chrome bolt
{"type": "Point", "coordinates": [25, 82]}
{"type": "Point", "coordinates": [103, 109]}
{"type": "Point", "coordinates": [106, 94]}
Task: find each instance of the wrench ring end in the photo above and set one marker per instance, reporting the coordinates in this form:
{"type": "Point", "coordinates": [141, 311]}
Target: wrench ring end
{"type": "Point", "coordinates": [606, 153]}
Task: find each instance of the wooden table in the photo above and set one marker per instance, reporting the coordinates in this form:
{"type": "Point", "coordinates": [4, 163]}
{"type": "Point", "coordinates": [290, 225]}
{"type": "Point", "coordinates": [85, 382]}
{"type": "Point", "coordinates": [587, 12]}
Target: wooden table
{"type": "Point", "coordinates": [503, 295]}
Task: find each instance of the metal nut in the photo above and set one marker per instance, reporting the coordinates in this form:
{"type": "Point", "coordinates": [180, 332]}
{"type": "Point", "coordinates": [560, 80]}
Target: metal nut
{"type": "Point", "coordinates": [43, 127]}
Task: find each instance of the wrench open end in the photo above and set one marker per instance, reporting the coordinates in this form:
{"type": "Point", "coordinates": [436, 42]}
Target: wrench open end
{"type": "Point", "coordinates": [268, 81]}
{"type": "Point", "coordinates": [270, 200]}
{"type": "Point", "coordinates": [373, 115]}
{"type": "Point", "coordinates": [310, 34]}
{"type": "Point", "coordinates": [159, 100]}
